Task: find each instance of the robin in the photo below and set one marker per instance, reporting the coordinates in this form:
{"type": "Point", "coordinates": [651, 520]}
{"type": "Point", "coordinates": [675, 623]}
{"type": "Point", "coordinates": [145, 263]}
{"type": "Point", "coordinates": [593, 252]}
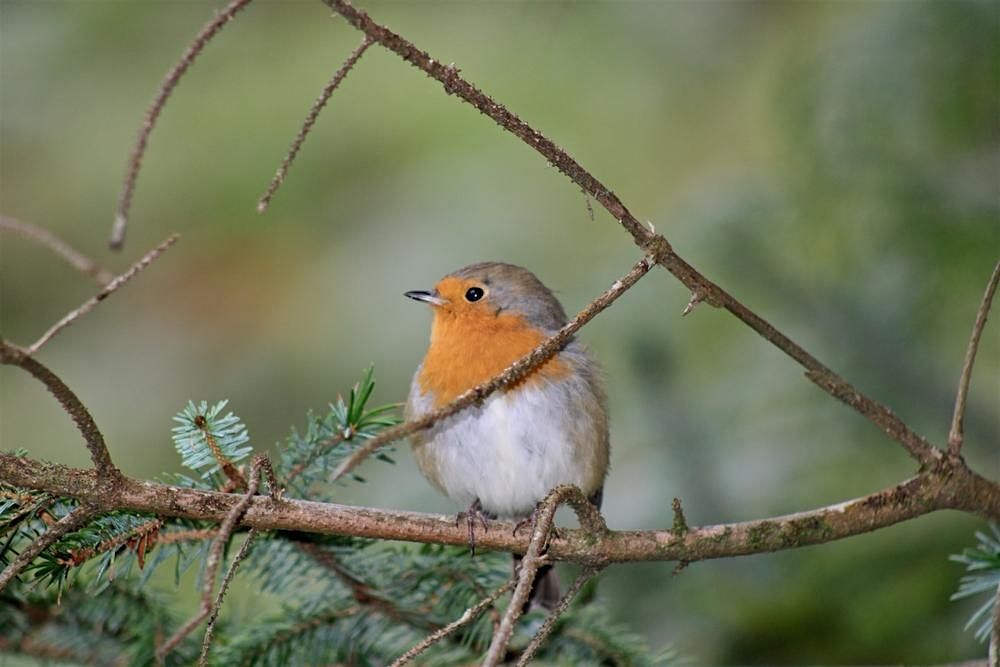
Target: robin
{"type": "Point", "coordinates": [504, 456]}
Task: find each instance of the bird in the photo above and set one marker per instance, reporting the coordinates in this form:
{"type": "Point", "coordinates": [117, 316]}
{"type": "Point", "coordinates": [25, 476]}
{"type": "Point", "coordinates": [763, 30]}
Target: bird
{"type": "Point", "coordinates": [503, 456]}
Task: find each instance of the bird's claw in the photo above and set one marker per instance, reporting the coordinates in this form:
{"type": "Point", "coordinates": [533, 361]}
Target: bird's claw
{"type": "Point", "coordinates": [470, 516]}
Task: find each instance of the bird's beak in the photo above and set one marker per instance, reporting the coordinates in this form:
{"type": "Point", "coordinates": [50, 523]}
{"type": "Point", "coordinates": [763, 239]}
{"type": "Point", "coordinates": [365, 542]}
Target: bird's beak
{"type": "Point", "coordinates": [427, 297]}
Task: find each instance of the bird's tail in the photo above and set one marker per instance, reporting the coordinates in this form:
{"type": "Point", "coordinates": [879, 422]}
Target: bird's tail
{"type": "Point", "coordinates": [544, 589]}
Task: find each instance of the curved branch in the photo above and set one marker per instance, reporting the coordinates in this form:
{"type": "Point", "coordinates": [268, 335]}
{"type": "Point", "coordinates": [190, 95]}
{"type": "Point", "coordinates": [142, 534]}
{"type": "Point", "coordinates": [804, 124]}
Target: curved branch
{"type": "Point", "coordinates": [950, 485]}
{"type": "Point", "coordinates": [68, 253]}
{"type": "Point", "coordinates": [14, 355]}
{"type": "Point", "coordinates": [701, 287]}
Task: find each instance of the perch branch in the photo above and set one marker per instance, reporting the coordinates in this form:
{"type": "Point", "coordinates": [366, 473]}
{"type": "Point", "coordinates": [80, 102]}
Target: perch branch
{"type": "Point", "coordinates": [68, 253]}
{"type": "Point", "coordinates": [511, 375]}
{"type": "Point", "coordinates": [78, 516]}
{"type": "Point", "coordinates": [471, 614]}
{"type": "Point", "coordinates": [108, 289]}
{"type": "Point", "coordinates": [204, 36]}
{"type": "Point", "coordinates": [950, 485]}
{"type": "Point", "coordinates": [956, 434]}
{"type": "Point", "coordinates": [454, 84]}
{"type": "Point", "coordinates": [307, 125]}
{"type": "Point", "coordinates": [16, 356]}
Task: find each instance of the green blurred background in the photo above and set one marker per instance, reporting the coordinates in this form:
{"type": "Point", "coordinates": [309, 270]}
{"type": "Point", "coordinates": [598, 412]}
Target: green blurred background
{"type": "Point", "coordinates": [834, 165]}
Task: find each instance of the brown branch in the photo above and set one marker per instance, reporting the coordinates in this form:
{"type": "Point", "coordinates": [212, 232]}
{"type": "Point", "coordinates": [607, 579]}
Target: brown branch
{"type": "Point", "coordinates": [206, 606]}
{"type": "Point", "coordinates": [511, 375]}
{"type": "Point", "coordinates": [65, 251]}
{"type": "Point", "coordinates": [13, 355]}
{"type": "Point", "coordinates": [550, 623]}
{"type": "Point", "coordinates": [541, 531]}
{"type": "Point", "coordinates": [454, 84]}
{"type": "Point", "coordinates": [950, 485]}
{"type": "Point", "coordinates": [307, 124]}
{"type": "Point", "coordinates": [470, 614]}
{"type": "Point", "coordinates": [206, 642]}
{"type": "Point", "coordinates": [111, 287]}
{"type": "Point", "coordinates": [78, 516]}
{"type": "Point", "coordinates": [956, 434]}
{"type": "Point", "coordinates": [205, 35]}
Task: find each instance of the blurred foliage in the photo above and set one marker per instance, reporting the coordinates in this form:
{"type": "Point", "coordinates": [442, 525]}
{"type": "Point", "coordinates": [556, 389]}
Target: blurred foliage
{"type": "Point", "coordinates": [835, 165]}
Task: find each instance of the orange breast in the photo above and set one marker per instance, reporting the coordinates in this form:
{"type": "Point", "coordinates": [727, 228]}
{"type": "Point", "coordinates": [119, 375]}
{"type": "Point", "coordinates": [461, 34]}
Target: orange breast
{"type": "Point", "coordinates": [469, 348]}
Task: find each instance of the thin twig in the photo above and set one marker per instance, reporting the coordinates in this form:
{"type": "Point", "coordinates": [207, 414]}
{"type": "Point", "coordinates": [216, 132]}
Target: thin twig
{"type": "Point", "coordinates": [77, 517]}
{"type": "Point", "coordinates": [454, 84]}
{"type": "Point", "coordinates": [511, 375]}
{"type": "Point", "coordinates": [111, 287]}
{"type": "Point", "coordinates": [217, 605]}
{"type": "Point", "coordinates": [471, 614]}
{"type": "Point", "coordinates": [956, 434]}
{"type": "Point", "coordinates": [68, 253]}
{"type": "Point", "coordinates": [206, 605]}
{"type": "Point", "coordinates": [13, 355]}
{"type": "Point", "coordinates": [307, 124]}
{"type": "Point", "coordinates": [541, 531]}
{"type": "Point", "coordinates": [207, 32]}
{"type": "Point", "coordinates": [585, 575]}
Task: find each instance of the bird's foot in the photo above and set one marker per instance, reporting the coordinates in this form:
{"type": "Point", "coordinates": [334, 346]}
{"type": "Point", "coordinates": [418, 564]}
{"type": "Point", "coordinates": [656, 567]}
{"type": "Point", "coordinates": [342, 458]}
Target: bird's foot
{"type": "Point", "coordinates": [471, 516]}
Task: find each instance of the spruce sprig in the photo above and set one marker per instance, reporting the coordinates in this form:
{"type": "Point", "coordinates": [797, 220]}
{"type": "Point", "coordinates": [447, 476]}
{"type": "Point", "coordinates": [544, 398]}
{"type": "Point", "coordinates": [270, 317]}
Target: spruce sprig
{"type": "Point", "coordinates": [983, 564]}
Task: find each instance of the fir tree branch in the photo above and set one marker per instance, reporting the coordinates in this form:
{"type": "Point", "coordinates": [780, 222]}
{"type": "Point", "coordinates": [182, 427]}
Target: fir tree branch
{"type": "Point", "coordinates": [65, 251]}
{"type": "Point", "coordinates": [108, 289]}
{"type": "Point", "coordinates": [307, 124]}
{"type": "Point", "coordinates": [511, 375]}
{"type": "Point", "coordinates": [585, 575]}
{"type": "Point", "coordinates": [949, 485]}
{"type": "Point", "coordinates": [956, 434]}
{"type": "Point", "coordinates": [471, 614]}
{"type": "Point", "coordinates": [205, 35]}
{"type": "Point", "coordinates": [13, 355]}
{"type": "Point", "coordinates": [206, 643]}
{"type": "Point", "coordinates": [704, 289]}
{"type": "Point", "coordinates": [994, 652]}
{"type": "Point", "coordinates": [76, 518]}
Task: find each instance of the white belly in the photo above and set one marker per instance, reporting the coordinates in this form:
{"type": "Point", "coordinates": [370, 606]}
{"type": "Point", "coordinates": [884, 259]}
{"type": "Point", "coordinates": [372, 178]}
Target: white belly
{"type": "Point", "coordinates": [510, 452]}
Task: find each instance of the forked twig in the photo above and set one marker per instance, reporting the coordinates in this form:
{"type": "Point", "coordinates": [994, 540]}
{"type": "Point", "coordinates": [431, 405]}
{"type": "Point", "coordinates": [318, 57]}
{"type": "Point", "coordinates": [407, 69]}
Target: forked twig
{"type": "Point", "coordinates": [307, 124]}
{"type": "Point", "coordinates": [511, 375]}
{"type": "Point", "coordinates": [590, 518]}
{"type": "Point", "coordinates": [207, 606]}
{"type": "Point", "coordinates": [956, 434]}
{"type": "Point", "coordinates": [111, 287]}
{"type": "Point", "coordinates": [543, 633]}
{"type": "Point", "coordinates": [471, 614]}
{"type": "Point", "coordinates": [78, 516]}
{"type": "Point", "coordinates": [204, 36]}
{"type": "Point", "coordinates": [68, 253]}
{"type": "Point", "coordinates": [107, 471]}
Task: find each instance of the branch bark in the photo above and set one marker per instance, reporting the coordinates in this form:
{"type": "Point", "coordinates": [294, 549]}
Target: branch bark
{"type": "Point", "coordinates": [950, 485]}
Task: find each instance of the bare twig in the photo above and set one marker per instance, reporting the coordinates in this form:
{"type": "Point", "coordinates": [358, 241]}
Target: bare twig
{"type": "Point", "coordinates": [112, 286]}
{"type": "Point", "coordinates": [317, 107]}
{"type": "Point", "coordinates": [454, 84]}
{"type": "Point", "coordinates": [206, 642]}
{"type": "Point", "coordinates": [78, 516]}
{"type": "Point", "coordinates": [511, 375]}
{"type": "Point", "coordinates": [68, 253]}
{"type": "Point", "coordinates": [471, 614]}
{"type": "Point", "coordinates": [207, 606]}
{"type": "Point", "coordinates": [208, 31]}
{"type": "Point", "coordinates": [541, 531]}
{"type": "Point", "coordinates": [16, 356]}
{"type": "Point", "coordinates": [543, 632]}
{"type": "Point", "coordinates": [956, 434]}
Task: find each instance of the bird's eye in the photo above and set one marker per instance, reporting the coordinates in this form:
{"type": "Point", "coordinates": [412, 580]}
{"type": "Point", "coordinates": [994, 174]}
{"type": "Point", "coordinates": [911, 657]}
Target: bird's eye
{"type": "Point", "coordinates": [474, 294]}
